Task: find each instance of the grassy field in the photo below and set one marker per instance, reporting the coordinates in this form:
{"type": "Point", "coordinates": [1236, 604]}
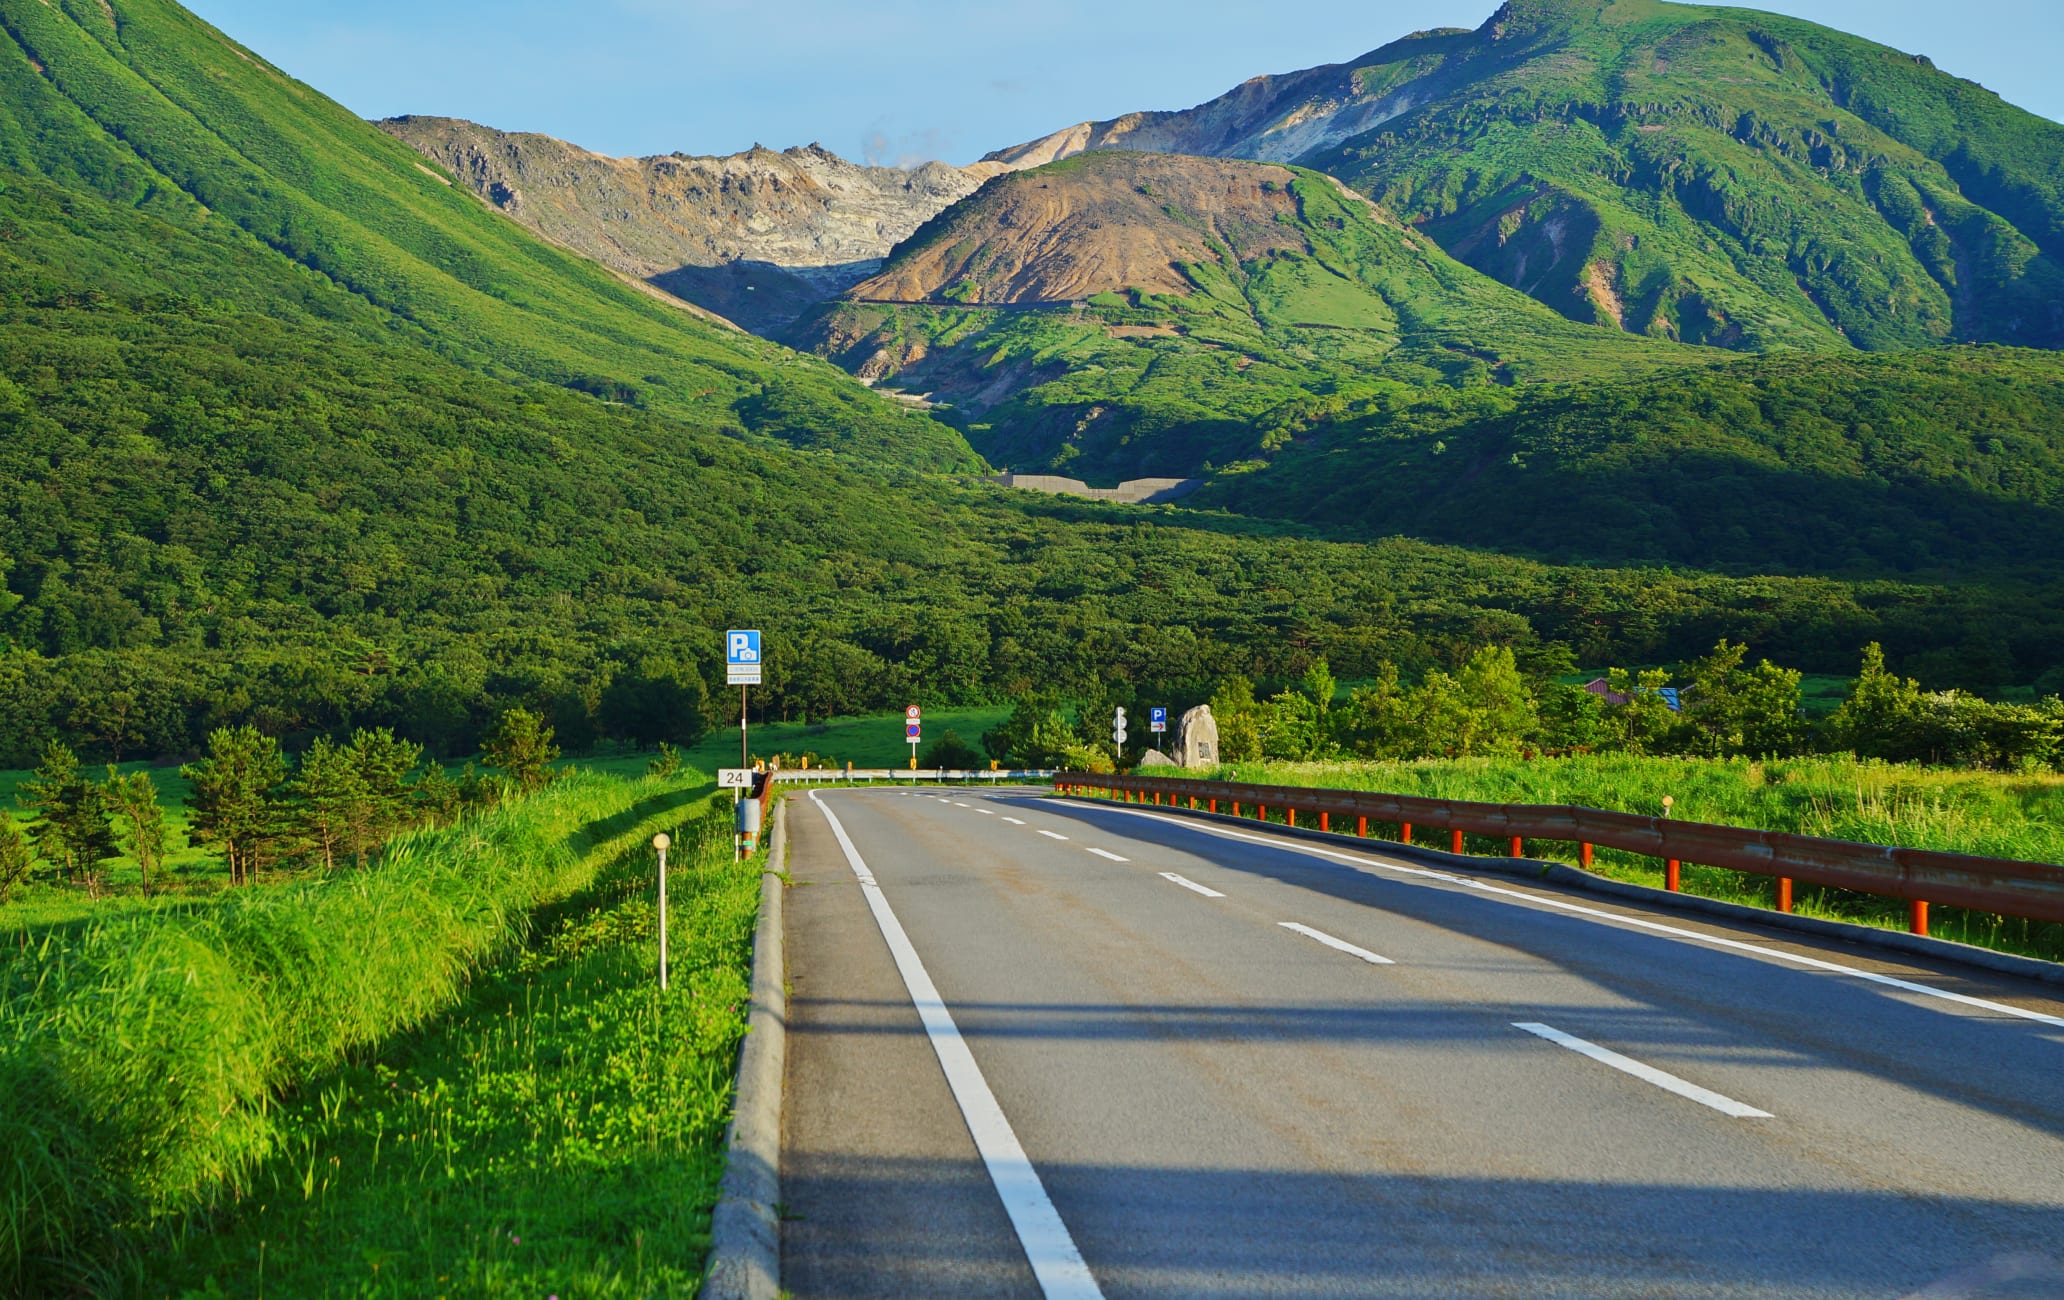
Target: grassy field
{"type": "Point", "coordinates": [871, 741]}
{"type": "Point", "coordinates": [143, 1057]}
{"type": "Point", "coordinates": [558, 1132]}
{"type": "Point", "coordinates": [1991, 814]}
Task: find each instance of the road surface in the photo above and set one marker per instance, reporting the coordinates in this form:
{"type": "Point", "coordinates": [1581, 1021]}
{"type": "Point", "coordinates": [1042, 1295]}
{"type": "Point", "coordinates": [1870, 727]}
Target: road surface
{"type": "Point", "coordinates": [1176, 1059]}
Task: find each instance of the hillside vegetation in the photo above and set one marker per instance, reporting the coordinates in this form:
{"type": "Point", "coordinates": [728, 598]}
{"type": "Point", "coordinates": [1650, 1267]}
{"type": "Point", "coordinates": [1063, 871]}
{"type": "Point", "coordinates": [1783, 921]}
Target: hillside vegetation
{"type": "Point", "coordinates": [1948, 463]}
{"type": "Point", "coordinates": [280, 445]}
{"type": "Point", "coordinates": [1123, 315]}
{"type": "Point", "coordinates": [190, 168]}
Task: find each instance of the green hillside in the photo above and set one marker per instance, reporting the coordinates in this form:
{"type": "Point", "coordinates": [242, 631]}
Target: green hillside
{"type": "Point", "coordinates": [245, 478]}
{"type": "Point", "coordinates": [232, 183]}
{"type": "Point", "coordinates": [1945, 464]}
{"type": "Point", "coordinates": [1720, 176]}
{"type": "Point", "coordinates": [1117, 315]}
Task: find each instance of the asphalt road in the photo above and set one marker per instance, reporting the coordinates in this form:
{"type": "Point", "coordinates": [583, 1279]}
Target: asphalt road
{"type": "Point", "coordinates": [1438, 1086]}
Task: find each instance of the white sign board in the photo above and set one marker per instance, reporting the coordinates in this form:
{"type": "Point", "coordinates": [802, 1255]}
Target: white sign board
{"type": "Point", "coordinates": [734, 778]}
{"type": "Point", "coordinates": [741, 658]}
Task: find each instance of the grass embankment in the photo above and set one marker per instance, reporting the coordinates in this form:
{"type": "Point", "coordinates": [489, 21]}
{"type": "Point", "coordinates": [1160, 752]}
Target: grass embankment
{"type": "Point", "coordinates": [142, 1057]}
{"type": "Point", "coordinates": [1991, 814]}
{"type": "Point", "coordinates": [559, 1132]}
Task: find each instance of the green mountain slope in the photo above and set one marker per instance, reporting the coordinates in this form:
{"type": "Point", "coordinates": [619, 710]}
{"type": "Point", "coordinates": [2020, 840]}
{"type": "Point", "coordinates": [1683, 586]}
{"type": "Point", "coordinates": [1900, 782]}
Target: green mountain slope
{"type": "Point", "coordinates": [1705, 174]}
{"type": "Point", "coordinates": [1945, 464]}
{"type": "Point", "coordinates": [1125, 314]}
{"type": "Point", "coordinates": [146, 107]}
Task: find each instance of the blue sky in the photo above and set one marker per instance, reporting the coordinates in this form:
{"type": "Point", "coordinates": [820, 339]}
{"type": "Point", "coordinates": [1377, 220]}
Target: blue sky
{"type": "Point", "coordinates": [903, 80]}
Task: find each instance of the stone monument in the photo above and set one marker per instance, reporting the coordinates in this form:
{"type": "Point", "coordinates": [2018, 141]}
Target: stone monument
{"type": "Point", "coordinates": [1197, 742]}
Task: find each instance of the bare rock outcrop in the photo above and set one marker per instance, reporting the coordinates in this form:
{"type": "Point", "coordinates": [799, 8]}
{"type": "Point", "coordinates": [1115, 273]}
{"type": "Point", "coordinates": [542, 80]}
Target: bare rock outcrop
{"type": "Point", "coordinates": [757, 236]}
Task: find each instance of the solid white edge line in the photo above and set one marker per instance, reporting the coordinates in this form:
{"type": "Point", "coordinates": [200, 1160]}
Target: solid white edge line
{"type": "Point", "coordinates": [1053, 835]}
{"type": "Point", "coordinates": [1340, 945]}
{"type": "Point", "coordinates": [1646, 1073]}
{"type": "Point", "coordinates": [1609, 918]}
{"type": "Point", "coordinates": [1106, 853]}
{"type": "Point", "coordinates": [1056, 1262]}
{"type": "Point", "coordinates": [1191, 885]}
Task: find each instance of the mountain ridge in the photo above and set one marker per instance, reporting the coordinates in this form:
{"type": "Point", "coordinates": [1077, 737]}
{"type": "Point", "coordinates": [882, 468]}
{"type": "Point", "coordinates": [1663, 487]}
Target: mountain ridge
{"type": "Point", "coordinates": [1693, 172]}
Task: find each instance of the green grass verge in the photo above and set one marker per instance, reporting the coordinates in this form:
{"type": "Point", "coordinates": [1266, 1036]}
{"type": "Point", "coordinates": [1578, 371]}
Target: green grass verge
{"type": "Point", "coordinates": [871, 740]}
{"type": "Point", "coordinates": [142, 1057]}
{"type": "Point", "coordinates": [1990, 814]}
{"type": "Point", "coordinates": [559, 1132]}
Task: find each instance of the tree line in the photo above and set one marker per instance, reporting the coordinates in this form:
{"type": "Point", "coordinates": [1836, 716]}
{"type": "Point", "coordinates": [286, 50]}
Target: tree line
{"type": "Point", "coordinates": [1491, 706]}
{"type": "Point", "coordinates": [256, 807]}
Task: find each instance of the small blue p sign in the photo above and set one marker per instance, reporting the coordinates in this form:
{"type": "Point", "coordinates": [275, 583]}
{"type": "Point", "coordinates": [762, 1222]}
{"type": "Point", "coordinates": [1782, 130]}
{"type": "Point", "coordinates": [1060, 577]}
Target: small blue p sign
{"type": "Point", "coordinates": [741, 647]}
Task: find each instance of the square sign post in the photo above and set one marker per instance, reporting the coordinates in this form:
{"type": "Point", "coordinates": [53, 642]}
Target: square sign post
{"type": "Point", "coordinates": [742, 669]}
{"type": "Point", "coordinates": [913, 724]}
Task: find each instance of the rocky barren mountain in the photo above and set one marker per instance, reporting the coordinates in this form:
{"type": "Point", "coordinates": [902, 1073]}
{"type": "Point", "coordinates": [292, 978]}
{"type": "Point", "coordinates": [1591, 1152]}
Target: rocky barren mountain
{"type": "Point", "coordinates": [755, 237]}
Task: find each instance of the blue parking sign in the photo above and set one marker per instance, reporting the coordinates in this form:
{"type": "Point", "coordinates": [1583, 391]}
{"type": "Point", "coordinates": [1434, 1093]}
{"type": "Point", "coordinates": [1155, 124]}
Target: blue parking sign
{"type": "Point", "coordinates": [1157, 719]}
{"type": "Point", "coordinates": [742, 658]}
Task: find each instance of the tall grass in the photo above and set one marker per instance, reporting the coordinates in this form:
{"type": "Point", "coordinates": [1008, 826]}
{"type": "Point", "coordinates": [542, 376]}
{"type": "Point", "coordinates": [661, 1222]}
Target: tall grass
{"type": "Point", "coordinates": [1986, 813]}
{"type": "Point", "coordinates": [559, 1131]}
{"type": "Point", "coordinates": [141, 1058]}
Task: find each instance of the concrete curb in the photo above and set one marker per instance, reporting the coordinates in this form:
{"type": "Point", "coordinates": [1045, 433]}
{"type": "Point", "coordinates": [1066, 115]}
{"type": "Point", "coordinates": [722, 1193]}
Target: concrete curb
{"type": "Point", "coordinates": [1562, 873]}
{"type": "Point", "coordinates": [745, 1231]}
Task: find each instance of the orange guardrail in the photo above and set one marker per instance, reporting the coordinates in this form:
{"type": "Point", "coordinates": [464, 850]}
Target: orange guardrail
{"type": "Point", "coordinates": [2034, 890]}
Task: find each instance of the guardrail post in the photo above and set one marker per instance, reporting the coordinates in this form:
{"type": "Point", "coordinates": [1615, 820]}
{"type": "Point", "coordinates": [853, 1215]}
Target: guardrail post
{"type": "Point", "coordinates": [1517, 850]}
{"type": "Point", "coordinates": [1784, 893]}
{"type": "Point", "coordinates": [1290, 816]}
{"type": "Point", "coordinates": [1264, 811]}
{"type": "Point", "coordinates": [1917, 917]}
{"type": "Point", "coordinates": [1325, 822]}
{"type": "Point", "coordinates": [1670, 874]}
{"type": "Point", "coordinates": [1454, 841]}
{"type": "Point", "coordinates": [1361, 827]}
{"type": "Point", "coordinates": [1193, 803]}
{"type": "Point", "coordinates": [1214, 805]}
{"type": "Point", "coordinates": [1404, 832]}
{"type": "Point", "coordinates": [1236, 807]}
{"type": "Point", "coordinates": [1584, 855]}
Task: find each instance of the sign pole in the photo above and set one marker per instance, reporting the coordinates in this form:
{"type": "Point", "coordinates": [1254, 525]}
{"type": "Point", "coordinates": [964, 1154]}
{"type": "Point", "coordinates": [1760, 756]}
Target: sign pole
{"type": "Point", "coordinates": [743, 760]}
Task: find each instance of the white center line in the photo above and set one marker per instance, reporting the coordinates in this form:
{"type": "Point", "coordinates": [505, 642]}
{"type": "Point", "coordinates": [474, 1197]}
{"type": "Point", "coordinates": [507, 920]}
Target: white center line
{"type": "Point", "coordinates": [1056, 1262]}
{"type": "Point", "coordinates": [1645, 1073]}
{"type": "Point", "coordinates": [1191, 885]}
{"type": "Point", "coordinates": [1341, 945]}
{"type": "Point", "coordinates": [1014, 821]}
{"type": "Point", "coordinates": [958, 804]}
{"type": "Point", "coordinates": [1609, 918]}
{"type": "Point", "coordinates": [1053, 835]}
{"type": "Point", "coordinates": [985, 812]}
{"type": "Point", "coordinates": [1105, 853]}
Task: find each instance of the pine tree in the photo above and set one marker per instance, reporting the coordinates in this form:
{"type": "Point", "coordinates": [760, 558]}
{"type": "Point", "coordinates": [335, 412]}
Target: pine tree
{"type": "Point", "coordinates": [521, 746]}
{"type": "Point", "coordinates": [134, 799]}
{"type": "Point", "coordinates": [15, 858]}
{"type": "Point", "coordinates": [236, 798]}
{"type": "Point", "coordinates": [328, 798]}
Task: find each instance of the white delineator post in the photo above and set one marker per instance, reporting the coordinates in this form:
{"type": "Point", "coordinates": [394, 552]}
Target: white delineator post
{"type": "Point", "coordinates": [662, 843]}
